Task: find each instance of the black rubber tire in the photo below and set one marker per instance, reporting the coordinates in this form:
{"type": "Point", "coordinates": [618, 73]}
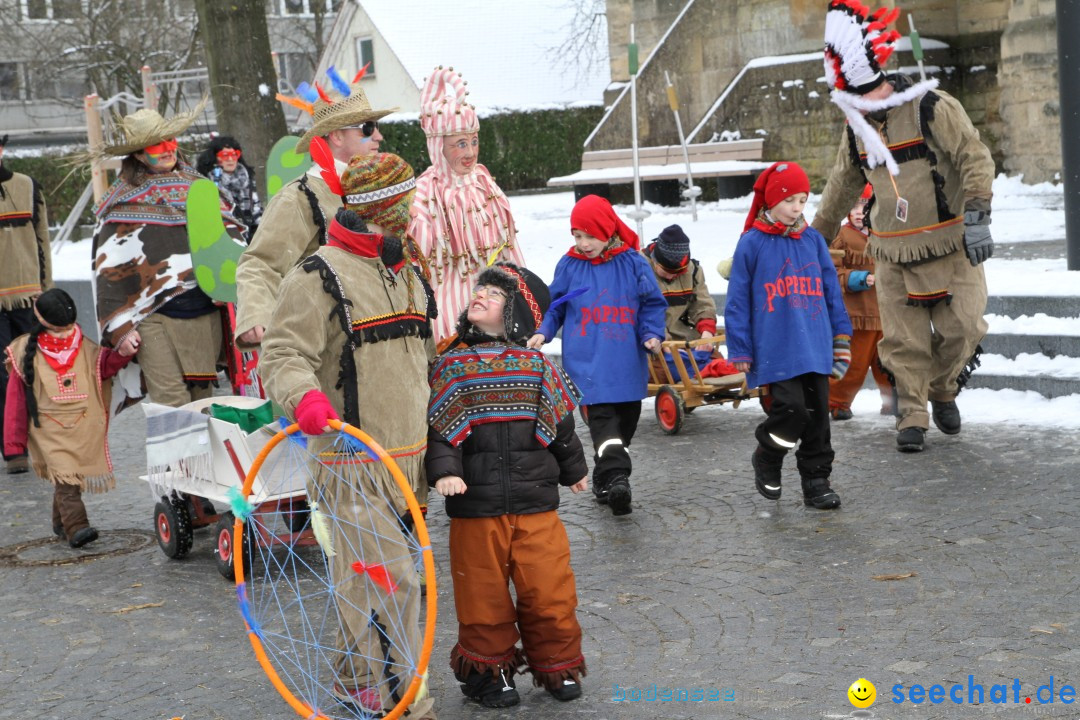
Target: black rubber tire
{"type": "Point", "coordinates": [298, 516]}
{"type": "Point", "coordinates": [223, 547]}
{"type": "Point", "coordinates": [172, 527]}
{"type": "Point", "coordinates": [670, 410]}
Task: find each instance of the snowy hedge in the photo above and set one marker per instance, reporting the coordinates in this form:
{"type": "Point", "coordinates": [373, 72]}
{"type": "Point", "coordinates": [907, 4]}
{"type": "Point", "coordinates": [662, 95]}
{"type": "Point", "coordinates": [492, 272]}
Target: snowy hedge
{"type": "Point", "coordinates": [521, 149]}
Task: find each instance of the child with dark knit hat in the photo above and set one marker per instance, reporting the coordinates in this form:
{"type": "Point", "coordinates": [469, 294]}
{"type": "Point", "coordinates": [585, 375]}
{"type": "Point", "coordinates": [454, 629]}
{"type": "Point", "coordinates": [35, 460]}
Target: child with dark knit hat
{"type": "Point", "coordinates": [606, 294]}
{"type": "Point", "coordinates": [691, 312]}
{"type": "Point", "coordinates": [57, 404]}
{"type": "Point", "coordinates": [787, 329]}
{"type": "Point", "coordinates": [855, 271]}
{"type": "Point", "coordinates": [350, 338]}
{"type": "Point", "coordinates": [501, 442]}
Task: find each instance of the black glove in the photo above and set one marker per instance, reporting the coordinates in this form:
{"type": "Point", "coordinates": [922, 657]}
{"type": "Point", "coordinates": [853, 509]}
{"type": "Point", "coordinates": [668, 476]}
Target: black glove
{"type": "Point", "coordinates": [978, 244]}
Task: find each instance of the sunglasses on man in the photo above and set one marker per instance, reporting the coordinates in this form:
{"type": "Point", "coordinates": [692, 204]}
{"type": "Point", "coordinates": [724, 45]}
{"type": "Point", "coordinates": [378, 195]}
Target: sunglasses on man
{"type": "Point", "coordinates": [366, 129]}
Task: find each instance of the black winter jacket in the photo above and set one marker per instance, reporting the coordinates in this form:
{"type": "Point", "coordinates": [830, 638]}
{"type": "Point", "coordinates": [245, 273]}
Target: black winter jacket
{"type": "Point", "coordinates": [505, 468]}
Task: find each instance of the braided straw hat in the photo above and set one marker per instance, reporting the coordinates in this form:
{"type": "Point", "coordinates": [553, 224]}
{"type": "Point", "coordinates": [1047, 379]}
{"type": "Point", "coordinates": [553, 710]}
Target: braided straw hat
{"type": "Point", "coordinates": [147, 127]}
{"type": "Point", "coordinates": [340, 112]}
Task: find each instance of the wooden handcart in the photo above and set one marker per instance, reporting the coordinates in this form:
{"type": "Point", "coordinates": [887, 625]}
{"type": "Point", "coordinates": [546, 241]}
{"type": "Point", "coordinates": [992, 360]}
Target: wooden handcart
{"type": "Point", "coordinates": [679, 395]}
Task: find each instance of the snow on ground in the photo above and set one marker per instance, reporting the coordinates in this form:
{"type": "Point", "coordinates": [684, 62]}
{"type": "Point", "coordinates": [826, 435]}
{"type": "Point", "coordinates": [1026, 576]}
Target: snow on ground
{"type": "Point", "coordinates": [1022, 213]}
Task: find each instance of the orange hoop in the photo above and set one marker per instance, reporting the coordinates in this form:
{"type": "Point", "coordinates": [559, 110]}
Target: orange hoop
{"type": "Point", "coordinates": [302, 708]}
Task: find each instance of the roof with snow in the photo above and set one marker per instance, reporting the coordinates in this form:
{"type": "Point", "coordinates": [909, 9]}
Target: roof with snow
{"type": "Point", "coordinates": [505, 50]}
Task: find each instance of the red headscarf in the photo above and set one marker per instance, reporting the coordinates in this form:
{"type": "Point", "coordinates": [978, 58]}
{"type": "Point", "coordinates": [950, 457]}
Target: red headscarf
{"type": "Point", "coordinates": [595, 216]}
{"type": "Point", "coordinates": [781, 180]}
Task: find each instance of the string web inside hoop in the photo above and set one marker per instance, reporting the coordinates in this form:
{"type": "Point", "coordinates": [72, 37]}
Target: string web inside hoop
{"type": "Point", "coordinates": [330, 585]}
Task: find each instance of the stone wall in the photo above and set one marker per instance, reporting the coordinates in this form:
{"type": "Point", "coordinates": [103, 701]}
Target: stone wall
{"type": "Point", "coordinates": [1028, 77]}
{"type": "Point", "coordinates": [1001, 63]}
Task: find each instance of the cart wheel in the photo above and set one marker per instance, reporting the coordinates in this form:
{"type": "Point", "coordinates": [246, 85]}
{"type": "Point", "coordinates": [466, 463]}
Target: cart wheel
{"type": "Point", "coordinates": [297, 516]}
{"type": "Point", "coordinates": [670, 410]}
{"type": "Point", "coordinates": [223, 553]}
{"type": "Point", "coordinates": [172, 525]}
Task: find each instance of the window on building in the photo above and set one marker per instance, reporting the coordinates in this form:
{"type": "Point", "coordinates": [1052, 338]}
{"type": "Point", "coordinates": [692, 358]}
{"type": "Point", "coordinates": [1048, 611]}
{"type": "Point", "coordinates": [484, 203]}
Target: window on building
{"type": "Point", "coordinates": [52, 9]}
{"type": "Point", "coordinates": [365, 53]}
{"type": "Point", "coordinates": [9, 81]}
{"type": "Point", "coordinates": [295, 68]}
{"type": "Point", "coordinates": [304, 7]}
{"type": "Point", "coordinates": [43, 82]}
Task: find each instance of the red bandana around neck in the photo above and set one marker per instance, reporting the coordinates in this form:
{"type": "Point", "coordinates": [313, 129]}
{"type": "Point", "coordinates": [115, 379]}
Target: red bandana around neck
{"type": "Point", "coordinates": [60, 352]}
{"type": "Point", "coordinates": [612, 249]}
{"type": "Point", "coordinates": [778, 228]}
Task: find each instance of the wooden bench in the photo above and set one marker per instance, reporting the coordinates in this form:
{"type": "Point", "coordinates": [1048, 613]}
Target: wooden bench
{"type": "Point", "coordinates": [664, 164]}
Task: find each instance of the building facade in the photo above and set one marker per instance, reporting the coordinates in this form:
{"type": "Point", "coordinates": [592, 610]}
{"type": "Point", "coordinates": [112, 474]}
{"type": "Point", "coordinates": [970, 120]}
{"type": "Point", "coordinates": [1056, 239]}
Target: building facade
{"type": "Point", "coordinates": [999, 57]}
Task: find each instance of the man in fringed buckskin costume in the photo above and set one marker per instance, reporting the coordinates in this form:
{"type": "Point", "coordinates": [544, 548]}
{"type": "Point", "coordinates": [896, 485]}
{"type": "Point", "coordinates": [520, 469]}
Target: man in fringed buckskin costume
{"type": "Point", "coordinates": [26, 270]}
{"type": "Point", "coordinates": [350, 338]}
{"type": "Point", "coordinates": [295, 222]}
{"type": "Point", "coordinates": [929, 220]}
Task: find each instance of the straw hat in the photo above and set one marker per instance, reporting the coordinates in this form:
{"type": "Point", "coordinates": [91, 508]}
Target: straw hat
{"type": "Point", "coordinates": [147, 127]}
{"type": "Point", "coordinates": [334, 112]}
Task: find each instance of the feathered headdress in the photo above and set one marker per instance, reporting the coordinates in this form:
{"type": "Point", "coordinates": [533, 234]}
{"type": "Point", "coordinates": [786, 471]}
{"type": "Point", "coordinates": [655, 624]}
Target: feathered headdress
{"type": "Point", "coordinates": [348, 106]}
{"type": "Point", "coordinates": [857, 45]}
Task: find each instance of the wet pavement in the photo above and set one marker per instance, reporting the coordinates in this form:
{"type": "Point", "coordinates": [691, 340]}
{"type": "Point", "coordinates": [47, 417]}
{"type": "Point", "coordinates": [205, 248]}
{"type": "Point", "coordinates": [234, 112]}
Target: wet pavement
{"type": "Point", "coordinates": [960, 561]}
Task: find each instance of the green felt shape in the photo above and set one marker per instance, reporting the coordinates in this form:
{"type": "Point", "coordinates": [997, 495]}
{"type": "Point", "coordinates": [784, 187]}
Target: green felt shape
{"type": "Point", "coordinates": [284, 164]}
{"type": "Point", "coordinates": [214, 251]}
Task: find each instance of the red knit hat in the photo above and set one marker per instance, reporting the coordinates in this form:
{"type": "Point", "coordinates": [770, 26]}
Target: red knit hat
{"type": "Point", "coordinates": [779, 181]}
{"type": "Point", "coordinates": [595, 216]}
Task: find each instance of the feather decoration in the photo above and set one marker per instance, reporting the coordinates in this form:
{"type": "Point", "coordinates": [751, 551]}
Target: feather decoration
{"type": "Point", "coordinates": [320, 526]}
{"type": "Point", "coordinates": [320, 153]}
{"type": "Point", "coordinates": [297, 103]}
{"type": "Point", "coordinates": [307, 92]}
{"type": "Point", "coordinates": [378, 574]}
{"type": "Point", "coordinates": [338, 82]}
{"type": "Point", "coordinates": [239, 504]}
{"type": "Point", "coordinates": [361, 74]}
{"type": "Point", "coordinates": [322, 94]}
{"type": "Point", "coordinates": [567, 297]}
{"type": "Point", "coordinates": [245, 610]}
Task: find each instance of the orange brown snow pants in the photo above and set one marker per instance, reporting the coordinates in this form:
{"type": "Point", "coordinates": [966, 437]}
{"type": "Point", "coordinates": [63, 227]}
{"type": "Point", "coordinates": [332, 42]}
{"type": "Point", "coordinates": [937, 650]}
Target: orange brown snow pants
{"type": "Point", "coordinates": [532, 550]}
{"type": "Point", "coordinates": [864, 355]}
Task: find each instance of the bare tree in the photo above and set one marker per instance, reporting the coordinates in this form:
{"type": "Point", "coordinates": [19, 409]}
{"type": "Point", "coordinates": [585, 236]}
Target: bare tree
{"type": "Point", "coordinates": [242, 76]}
{"type": "Point", "coordinates": [585, 45]}
{"type": "Point", "coordinates": [99, 46]}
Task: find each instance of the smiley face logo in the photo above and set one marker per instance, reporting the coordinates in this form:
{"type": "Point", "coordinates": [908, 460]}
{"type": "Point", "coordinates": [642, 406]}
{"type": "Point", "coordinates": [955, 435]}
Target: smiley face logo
{"type": "Point", "coordinates": [862, 693]}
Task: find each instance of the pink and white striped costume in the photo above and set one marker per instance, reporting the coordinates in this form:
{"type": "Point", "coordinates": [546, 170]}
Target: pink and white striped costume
{"type": "Point", "coordinates": [458, 221]}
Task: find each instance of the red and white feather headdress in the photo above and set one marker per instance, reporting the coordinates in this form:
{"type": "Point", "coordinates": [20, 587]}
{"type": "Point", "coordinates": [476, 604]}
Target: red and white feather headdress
{"type": "Point", "coordinates": [857, 45]}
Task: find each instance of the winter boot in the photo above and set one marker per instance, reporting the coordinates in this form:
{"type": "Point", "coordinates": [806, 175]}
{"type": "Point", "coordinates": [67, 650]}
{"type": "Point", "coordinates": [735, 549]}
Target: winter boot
{"type": "Point", "coordinates": [83, 537]}
{"type": "Point", "coordinates": [567, 690]}
{"type": "Point", "coordinates": [18, 465]}
{"type": "Point", "coordinates": [767, 466]}
{"type": "Point", "coordinates": [493, 691]}
{"type": "Point", "coordinates": [946, 416]}
{"type": "Point", "coordinates": [910, 439]}
{"type": "Point", "coordinates": [818, 494]}
{"type": "Point", "coordinates": [619, 495]}
{"type": "Point", "coordinates": [600, 490]}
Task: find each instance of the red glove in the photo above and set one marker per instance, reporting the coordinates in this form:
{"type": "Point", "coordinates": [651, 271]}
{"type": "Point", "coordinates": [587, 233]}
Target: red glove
{"type": "Point", "coordinates": [313, 412]}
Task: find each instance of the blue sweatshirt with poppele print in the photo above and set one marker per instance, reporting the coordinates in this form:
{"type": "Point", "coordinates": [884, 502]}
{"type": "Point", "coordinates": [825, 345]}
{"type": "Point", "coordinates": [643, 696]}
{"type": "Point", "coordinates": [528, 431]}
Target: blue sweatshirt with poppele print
{"type": "Point", "coordinates": [606, 325]}
{"type": "Point", "coordinates": [783, 306]}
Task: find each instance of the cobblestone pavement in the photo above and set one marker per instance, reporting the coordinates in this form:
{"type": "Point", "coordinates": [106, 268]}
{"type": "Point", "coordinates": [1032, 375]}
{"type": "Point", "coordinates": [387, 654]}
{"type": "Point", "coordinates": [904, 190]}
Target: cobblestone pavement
{"type": "Point", "coordinates": [706, 585]}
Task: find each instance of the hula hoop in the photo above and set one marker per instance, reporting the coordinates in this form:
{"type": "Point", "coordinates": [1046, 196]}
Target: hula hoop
{"type": "Point", "coordinates": [420, 528]}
